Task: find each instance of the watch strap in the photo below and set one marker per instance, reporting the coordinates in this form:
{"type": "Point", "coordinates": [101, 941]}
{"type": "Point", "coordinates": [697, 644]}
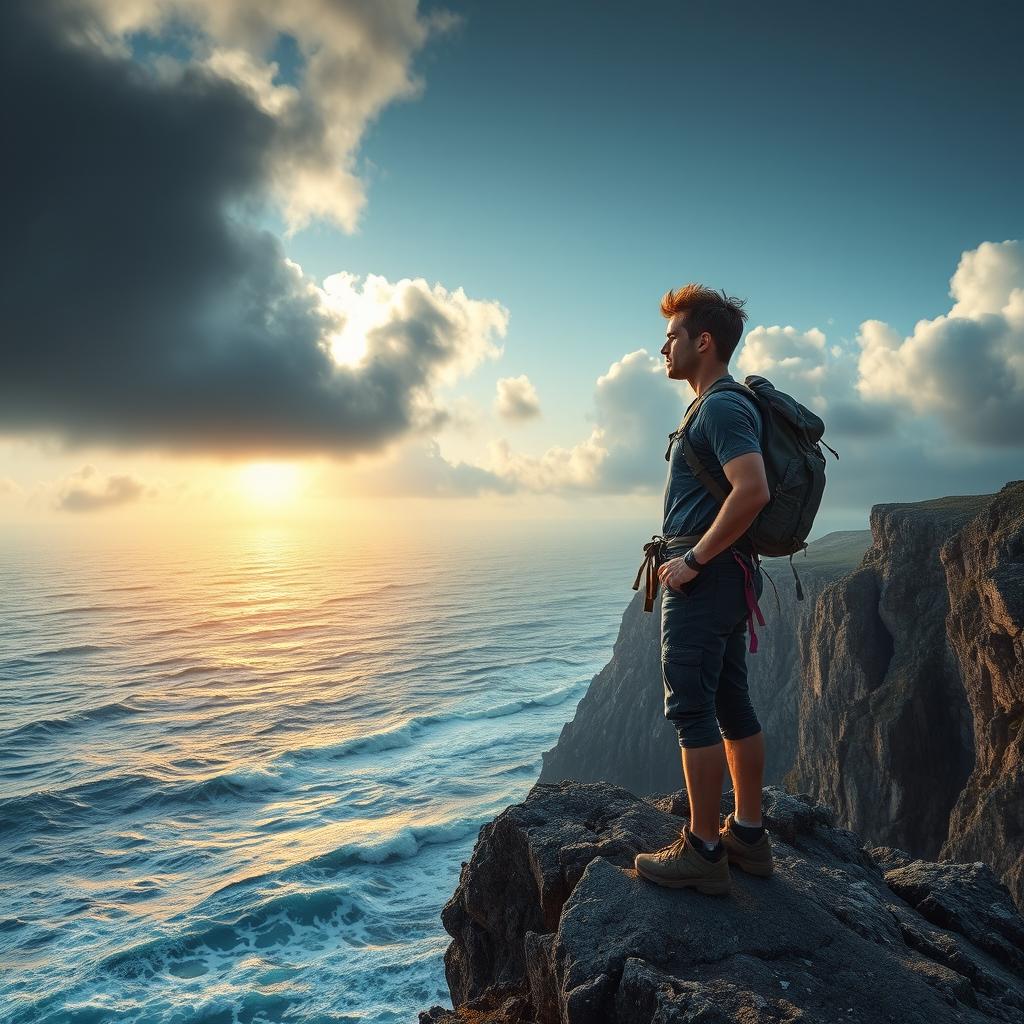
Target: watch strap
{"type": "Point", "coordinates": [691, 560]}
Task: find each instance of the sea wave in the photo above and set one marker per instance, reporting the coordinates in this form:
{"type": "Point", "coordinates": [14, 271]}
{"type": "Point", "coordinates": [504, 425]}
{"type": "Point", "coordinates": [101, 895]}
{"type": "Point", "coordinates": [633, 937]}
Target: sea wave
{"type": "Point", "coordinates": [311, 912]}
{"type": "Point", "coordinates": [44, 727]}
{"type": "Point", "coordinates": [69, 652]}
{"type": "Point", "coordinates": [407, 732]}
{"type": "Point", "coordinates": [244, 930]}
{"type": "Point", "coordinates": [134, 791]}
{"type": "Point", "coordinates": [402, 844]}
{"type": "Point", "coordinates": [360, 595]}
{"type": "Point", "coordinates": [275, 925]}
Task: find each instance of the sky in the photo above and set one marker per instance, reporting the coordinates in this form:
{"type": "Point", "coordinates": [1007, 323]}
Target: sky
{"type": "Point", "coordinates": [339, 263]}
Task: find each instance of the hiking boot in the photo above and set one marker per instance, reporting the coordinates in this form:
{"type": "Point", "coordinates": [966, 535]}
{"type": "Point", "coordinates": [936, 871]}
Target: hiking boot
{"type": "Point", "coordinates": [680, 865]}
{"type": "Point", "coordinates": [754, 858]}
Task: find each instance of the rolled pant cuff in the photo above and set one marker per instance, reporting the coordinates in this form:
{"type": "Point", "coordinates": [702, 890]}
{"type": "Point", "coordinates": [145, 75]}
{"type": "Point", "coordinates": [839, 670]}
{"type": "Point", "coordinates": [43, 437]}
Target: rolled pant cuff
{"type": "Point", "coordinates": [691, 743]}
{"type": "Point", "coordinates": [745, 734]}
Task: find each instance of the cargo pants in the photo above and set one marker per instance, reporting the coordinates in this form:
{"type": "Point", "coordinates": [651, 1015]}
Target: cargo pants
{"type": "Point", "coordinates": [703, 650]}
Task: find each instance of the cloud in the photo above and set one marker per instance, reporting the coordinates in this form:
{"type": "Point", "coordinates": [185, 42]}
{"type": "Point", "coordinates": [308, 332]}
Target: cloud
{"type": "Point", "coordinates": [557, 470]}
{"type": "Point", "coordinates": [354, 58]}
{"type": "Point", "coordinates": [938, 413]}
{"type": "Point", "coordinates": [418, 469]}
{"type": "Point", "coordinates": [139, 313]}
{"type": "Point", "coordinates": [635, 408]}
{"type": "Point", "coordinates": [517, 399]}
{"type": "Point", "coordinates": [966, 367]}
{"type": "Point", "coordinates": [86, 491]}
{"type": "Point", "coordinates": [799, 356]}
{"type": "Point", "coordinates": [819, 375]}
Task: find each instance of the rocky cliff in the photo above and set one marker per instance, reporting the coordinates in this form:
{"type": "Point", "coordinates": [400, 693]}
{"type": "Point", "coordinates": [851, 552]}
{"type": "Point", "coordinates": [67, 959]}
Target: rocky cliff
{"type": "Point", "coordinates": [901, 683]}
{"type": "Point", "coordinates": [550, 923]}
{"type": "Point", "coordinates": [984, 568]}
{"type": "Point", "coordinates": [619, 733]}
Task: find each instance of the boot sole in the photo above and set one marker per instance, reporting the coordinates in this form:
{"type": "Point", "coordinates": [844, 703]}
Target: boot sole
{"type": "Point", "coordinates": [706, 886]}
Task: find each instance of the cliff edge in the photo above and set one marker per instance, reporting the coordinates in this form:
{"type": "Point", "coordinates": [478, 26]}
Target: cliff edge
{"type": "Point", "coordinates": [550, 923]}
{"type": "Point", "coordinates": [984, 566]}
{"type": "Point", "coordinates": [884, 728]}
{"type": "Point", "coordinates": [911, 720]}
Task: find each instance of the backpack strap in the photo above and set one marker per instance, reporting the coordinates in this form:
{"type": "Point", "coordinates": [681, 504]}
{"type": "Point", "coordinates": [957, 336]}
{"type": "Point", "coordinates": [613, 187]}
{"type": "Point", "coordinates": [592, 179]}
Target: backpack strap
{"type": "Point", "coordinates": [699, 470]}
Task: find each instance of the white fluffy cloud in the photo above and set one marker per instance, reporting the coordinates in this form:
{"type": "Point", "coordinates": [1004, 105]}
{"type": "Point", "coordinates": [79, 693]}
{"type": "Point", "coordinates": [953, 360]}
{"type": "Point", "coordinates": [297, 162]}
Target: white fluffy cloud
{"type": "Point", "coordinates": [784, 352]}
{"type": "Point", "coordinates": [517, 399]}
{"type": "Point", "coordinates": [357, 58]}
{"type": "Point", "coordinates": [440, 335]}
{"type": "Point", "coordinates": [820, 375]}
{"type": "Point", "coordinates": [559, 469]}
{"type": "Point", "coordinates": [959, 376]}
{"type": "Point", "coordinates": [965, 367]}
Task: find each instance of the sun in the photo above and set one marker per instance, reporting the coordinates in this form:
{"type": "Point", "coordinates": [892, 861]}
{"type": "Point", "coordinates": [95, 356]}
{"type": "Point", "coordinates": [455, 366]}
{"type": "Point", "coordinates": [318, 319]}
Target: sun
{"type": "Point", "coordinates": [269, 483]}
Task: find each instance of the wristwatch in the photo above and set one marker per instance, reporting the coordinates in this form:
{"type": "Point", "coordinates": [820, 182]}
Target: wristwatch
{"type": "Point", "coordinates": [691, 560]}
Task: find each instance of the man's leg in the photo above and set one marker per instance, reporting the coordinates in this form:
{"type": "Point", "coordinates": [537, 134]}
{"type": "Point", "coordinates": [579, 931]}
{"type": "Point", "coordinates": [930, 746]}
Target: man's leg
{"type": "Point", "coordinates": [741, 730]}
{"type": "Point", "coordinates": [692, 648]}
{"type": "Point", "coordinates": [746, 766]}
{"type": "Point", "coordinates": [704, 770]}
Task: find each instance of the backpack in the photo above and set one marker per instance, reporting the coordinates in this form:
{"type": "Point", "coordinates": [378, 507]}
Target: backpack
{"type": "Point", "coordinates": [793, 462]}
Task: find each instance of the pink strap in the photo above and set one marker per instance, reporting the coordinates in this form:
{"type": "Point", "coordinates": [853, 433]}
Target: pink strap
{"type": "Point", "coordinates": [752, 606]}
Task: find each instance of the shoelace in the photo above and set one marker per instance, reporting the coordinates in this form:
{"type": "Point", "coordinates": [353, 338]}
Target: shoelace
{"type": "Point", "coordinates": [674, 849]}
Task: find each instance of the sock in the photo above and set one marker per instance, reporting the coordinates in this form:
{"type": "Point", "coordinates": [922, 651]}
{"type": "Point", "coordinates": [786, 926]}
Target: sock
{"type": "Point", "coordinates": [748, 833]}
{"type": "Point", "coordinates": [712, 852]}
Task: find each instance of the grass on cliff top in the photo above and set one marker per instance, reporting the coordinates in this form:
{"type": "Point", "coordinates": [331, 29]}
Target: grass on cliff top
{"type": "Point", "coordinates": [841, 549]}
{"type": "Point", "coordinates": [964, 503]}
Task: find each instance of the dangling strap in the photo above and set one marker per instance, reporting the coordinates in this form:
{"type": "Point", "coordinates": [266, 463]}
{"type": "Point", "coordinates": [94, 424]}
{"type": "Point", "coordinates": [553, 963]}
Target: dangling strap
{"type": "Point", "coordinates": [653, 555]}
{"type": "Point", "coordinates": [753, 608]}
{"type": "Point", "coordinates": [775, 590]}
{"type": "Point", "coordinates": [799, 589]}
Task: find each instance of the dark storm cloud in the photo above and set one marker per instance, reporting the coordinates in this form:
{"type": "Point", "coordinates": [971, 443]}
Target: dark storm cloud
{"type": "Point", "coordinates": [133, 309]}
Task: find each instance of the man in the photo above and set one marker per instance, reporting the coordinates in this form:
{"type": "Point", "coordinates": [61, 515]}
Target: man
{"type": "Point", "coordinates": [704, 607]}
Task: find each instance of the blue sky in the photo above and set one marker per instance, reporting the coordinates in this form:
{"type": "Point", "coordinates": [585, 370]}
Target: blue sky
{"type": "Point", "coordinates": [567, 164]}
{"type": "Point", "coordinates": [821, 162]}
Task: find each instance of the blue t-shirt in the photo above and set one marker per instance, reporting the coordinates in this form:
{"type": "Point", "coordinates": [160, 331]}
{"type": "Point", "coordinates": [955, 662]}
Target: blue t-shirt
{"type": "Point", "coordinates": [726, 425]}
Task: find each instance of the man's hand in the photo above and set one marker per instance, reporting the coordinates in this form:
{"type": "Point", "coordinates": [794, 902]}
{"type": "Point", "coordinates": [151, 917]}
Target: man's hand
{"type": "Point", "coordinates": [675, 573]}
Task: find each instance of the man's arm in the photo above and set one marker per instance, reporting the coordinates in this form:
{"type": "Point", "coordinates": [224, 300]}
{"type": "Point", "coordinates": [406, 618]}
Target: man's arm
{"type": "Point", "coordinates": [748, 496]}
{"type": "Point", "coordinates": [732, 431]}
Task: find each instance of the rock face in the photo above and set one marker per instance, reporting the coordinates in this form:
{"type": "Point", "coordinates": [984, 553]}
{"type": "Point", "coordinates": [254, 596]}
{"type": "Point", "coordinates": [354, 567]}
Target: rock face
{"type": "Point", "coordinates": [984, 567]}
{"type": "Point", "coordinates": [552, 925]}
{"type": "Point", "coordinates": [619, 733]}
{"type": "Point", "coordinates": [885, 734]}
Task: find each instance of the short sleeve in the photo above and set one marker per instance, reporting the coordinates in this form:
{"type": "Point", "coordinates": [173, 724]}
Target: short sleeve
{"type": "Point", "coordinates": [732, 426]}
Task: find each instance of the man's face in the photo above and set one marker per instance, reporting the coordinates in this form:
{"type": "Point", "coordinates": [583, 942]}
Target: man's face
{"type": "Point", "coordinates": [680, 350]}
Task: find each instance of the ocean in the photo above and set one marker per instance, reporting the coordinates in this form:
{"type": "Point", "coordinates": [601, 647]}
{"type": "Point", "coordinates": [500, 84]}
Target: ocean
{"type": "Point", "coordinates": [239, 775]}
